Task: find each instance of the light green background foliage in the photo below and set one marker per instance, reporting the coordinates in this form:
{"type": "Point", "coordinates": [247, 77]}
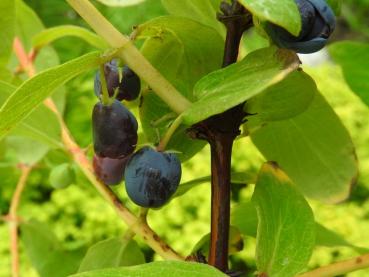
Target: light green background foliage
{"type": "Point", "coordinates": [80, 218]}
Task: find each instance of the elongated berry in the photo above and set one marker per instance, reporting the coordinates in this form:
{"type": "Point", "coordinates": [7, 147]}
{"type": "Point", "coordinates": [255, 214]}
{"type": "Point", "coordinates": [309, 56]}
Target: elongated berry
{"type": "Point", "coordinates": [114, 130]}
{"type": "Point", "coordinates": [111, 72]}
{"type": "Point", "coordinates": [130, 85]}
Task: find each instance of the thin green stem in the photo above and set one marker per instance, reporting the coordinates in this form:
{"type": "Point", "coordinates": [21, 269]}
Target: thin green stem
{"type": "Point", "coordinates": [162, 119]}
{"type": "Point", "coordinates": [165, 140]}
{"type": "Point", "coordinates": [131, 55]}
{"type": "Point", "coordinates": [105, 99]}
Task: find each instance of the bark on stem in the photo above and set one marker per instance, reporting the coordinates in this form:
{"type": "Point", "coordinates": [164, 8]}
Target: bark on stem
{"type": "Point", "coordinates": [221, 130]}
{"type": "Point", "coordinates": [221, 152]}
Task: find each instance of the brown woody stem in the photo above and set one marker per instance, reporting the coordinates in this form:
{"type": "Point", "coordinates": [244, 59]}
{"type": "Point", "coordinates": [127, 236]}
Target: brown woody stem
{"type": "Point", "coordinates": [221, 130]}
{"type": "Point", "coordinates": [221, 152]}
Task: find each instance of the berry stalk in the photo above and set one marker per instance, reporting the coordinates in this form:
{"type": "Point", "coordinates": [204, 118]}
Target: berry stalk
{"type": "Point", "coordinates": [131, 55]}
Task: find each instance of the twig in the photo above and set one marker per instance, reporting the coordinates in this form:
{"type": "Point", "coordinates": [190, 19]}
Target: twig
{"type": "Point", "coordinates": [13, 224]}
{"type": "Point", "coordinates": [131, 55]}
{"type": "Point", "coordinates": [23, 58]}
{"type": "Point", "coordinates": [339, 268]}
{"type": "Point", "coordinates": [78, 155]}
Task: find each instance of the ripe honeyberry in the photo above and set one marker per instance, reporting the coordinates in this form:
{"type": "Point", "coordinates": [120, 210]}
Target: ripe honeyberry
{"type": "Point", "coordinates": [318, 22]}
{"type": "Point", "coordinates": [109, 171]}
{"type": "Point", "coordinates": [152, 177]}
{"type": "Point", "coordinates": [111, 72]}
{"type": "Point", "coordinates": [130, 86]}
{"type": "Point", "coordinates": [114, 130]}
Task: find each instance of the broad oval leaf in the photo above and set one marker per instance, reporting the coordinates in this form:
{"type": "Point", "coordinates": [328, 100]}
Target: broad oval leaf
{"type": "Point", "coordinates": [21, 103]}
{"type": "Point", "coordinates": [285, 240]}
{"type": "Point", "coordinates": [281, 101]}
{"type": "Point", "coordinates": [353, 57]}
{"type": "Point", "coordinates": [204, 11]}
{"type": "Point", "coordinates": [285, 99]}
{"type": "Point", "coordinates": [180, 54]}
{"type": "Point", "coordinates": [162, 269]}
{"type": "Point", "coordinates": [314, 149]}
{"type": "Point", "coordinates": [46, 253]}
{"type": "Point", "coordinates": [281, 12]}
{"type": "Point", "coordinates": [114, 252]}
{"type": "Point", "coordinates": [47, 36]}
{"type": "Point", "coordinates": [244, 217]}
{"type": "Point", "coordinates": [26, 150]}
{"type": "Point", "coordinates": [233, 85]}
{"type": "Point", "coordinates": [7, 29]}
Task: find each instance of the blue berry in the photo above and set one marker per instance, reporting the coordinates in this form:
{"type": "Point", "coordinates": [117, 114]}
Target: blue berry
{"type": "Point", "coordinates": [318, 22]}
{"type": "Point", "coordinates": [152, 177]}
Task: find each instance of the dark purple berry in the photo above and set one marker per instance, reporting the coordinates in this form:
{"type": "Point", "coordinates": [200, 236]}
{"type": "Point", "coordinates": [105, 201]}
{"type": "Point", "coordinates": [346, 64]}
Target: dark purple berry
{"type": "Point", "coordinates": [152, 177]}
{"type": "Point", "coordinates": [111, 72]}
{"type": "Point", "coordinates": [109, 171]}
{"type": "Point", "coordinates": [130, 85]}
{"type": "Point", "coordinates": [114, 130]}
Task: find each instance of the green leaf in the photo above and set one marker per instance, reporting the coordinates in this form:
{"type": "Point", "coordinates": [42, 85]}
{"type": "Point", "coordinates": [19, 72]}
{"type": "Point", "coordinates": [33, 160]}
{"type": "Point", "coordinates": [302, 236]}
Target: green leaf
{"type": "Point", "coordinates": [353, 57]}
{"type": "Point", "coordinates": [314, 149]}
{"type": "Point", "coordinates": [280, 12]}
{"type": "Point", "coordinates": [47, 36]}
{"type": "Point", "coordinates": [28, 24]}
{"type": "Point", "coordinates": [42, 124]}
{"type": "Point", "coordinates": [284, 241]}
{"type": "Point", "coordinates": [202, 11]}
{"type": "Point", "coordinates": [32, 92]}
{"type": "Point", "coordinates": [244, 216]}
{"type": "Point", "coordinates": [329, 238]}
{"type": "Point", "coordinates": [236, 178]}
{"type": "Point", "coordinates": [336, 6]}
{"type": "Point", "coordinates": [162, 269]}
{"type": "Point", "coordinates": [7, 29]}
{"type": "Point", "coordinates": [153, 109]}
{"type": "Point", "coordinates": [191, 60]}
{"type": "Point", "coordinates": [233, 85]}
{"type": "Point", "coordinates": [281, 101]}
{"type": "Point", "coordinates": [120, 3]}
{"type": "Point", "coordinates": [46, 253]}
{"type": "Point", "coordinates": [114, 252]}
{"type": "Point", "coordinates": [180, 54]}
{"type": "Point", "coordinates": [26, 150]}
{"type": "Point", "coordinates": [235, 243]}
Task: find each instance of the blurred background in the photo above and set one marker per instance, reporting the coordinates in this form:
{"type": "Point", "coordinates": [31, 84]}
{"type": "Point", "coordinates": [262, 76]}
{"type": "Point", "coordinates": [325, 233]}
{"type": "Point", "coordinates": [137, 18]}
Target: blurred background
{"type": "Point", "coordinates": [79, 216]}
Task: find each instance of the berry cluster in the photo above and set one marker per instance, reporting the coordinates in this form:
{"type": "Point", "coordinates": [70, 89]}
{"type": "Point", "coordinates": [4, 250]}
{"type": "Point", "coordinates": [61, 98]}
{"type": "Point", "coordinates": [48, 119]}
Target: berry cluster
{"type": "Point", "coordinates": [151, 177]}
{"type": "Point", "coordinates": [318, 23]}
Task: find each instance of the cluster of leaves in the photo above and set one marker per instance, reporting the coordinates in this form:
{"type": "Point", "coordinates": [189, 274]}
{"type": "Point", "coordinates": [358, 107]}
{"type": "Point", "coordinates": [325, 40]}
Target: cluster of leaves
{"type": "Point", "coordinates": [291, 124]}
